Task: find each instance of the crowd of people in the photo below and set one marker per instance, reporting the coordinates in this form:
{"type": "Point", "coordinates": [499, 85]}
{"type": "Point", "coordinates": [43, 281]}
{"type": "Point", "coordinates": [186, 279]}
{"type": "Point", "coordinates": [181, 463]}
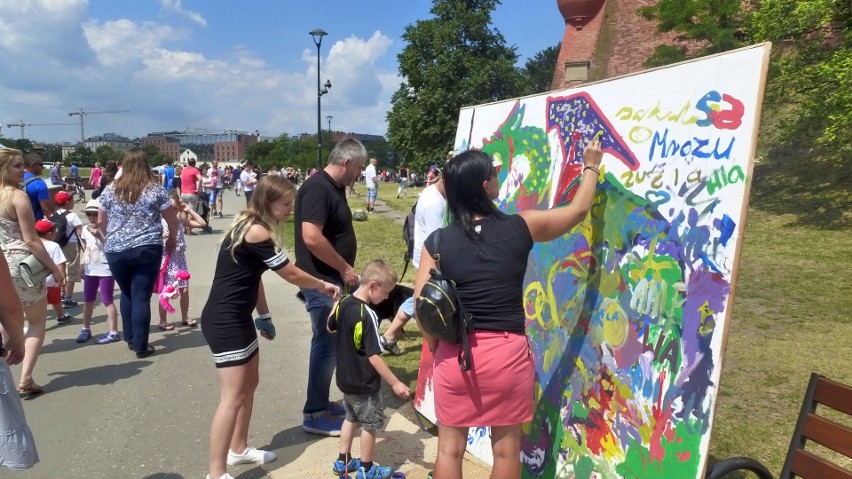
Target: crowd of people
{"type": "Point", "coordinates": [135, 238]}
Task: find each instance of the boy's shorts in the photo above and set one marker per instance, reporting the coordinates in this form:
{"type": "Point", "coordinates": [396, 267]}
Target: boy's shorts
{"type": "Point", "coordinates": [365, 409]}
{"type": "Point", "coordinates": [54, 295]}
{"type": "Point", "coordinates": [407, 306]}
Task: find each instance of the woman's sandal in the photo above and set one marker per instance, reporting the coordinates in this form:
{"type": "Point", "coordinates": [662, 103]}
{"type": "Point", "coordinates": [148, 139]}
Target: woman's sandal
{"type": "Point", "coordinates": [190, 322]}
{"type": "Point", "coordinates": [166, 327]}
{"type": "Point", "coordinates": [31, 388]}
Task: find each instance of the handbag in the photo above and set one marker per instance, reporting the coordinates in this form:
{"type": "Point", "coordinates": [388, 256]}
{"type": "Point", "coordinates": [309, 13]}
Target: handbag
{"type": "Point", "coordinates": [439, 310]}
{"type": "Point", "coordinates": [32, 271]}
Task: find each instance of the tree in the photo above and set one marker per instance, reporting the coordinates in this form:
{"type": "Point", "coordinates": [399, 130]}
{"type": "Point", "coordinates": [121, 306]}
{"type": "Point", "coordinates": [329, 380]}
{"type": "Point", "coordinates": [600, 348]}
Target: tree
{"type": "Point", "coordinates": [104, 154]}
{"type": "Point", "coordinates": [24, 145]}
{"type": "Point", "coordinates": [151, 150]}
{"type": "Point", "coordinates": [452, 60]}
{"type": "Point", "coordinates": [712, 25]}
{"type": "Point", "coordinates": [81, 156]}
{"type": "Point", "coordinates": [539, 69]}
{"type": "Point", "coordinates": [810, 87]}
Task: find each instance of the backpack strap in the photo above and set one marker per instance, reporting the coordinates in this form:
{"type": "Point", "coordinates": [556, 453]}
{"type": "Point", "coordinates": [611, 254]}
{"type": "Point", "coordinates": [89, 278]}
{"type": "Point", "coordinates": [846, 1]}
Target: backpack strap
{"type": "Point", "coordinates": [465, 321]}
{"type": "Point", "coordinates": [29, 180]}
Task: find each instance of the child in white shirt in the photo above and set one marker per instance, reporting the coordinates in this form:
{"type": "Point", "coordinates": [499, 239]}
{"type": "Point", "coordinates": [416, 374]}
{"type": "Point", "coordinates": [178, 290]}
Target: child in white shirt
{"type": "Point", "coordinates": [96, 277]}
{"type": "Point", "coordinates": [47, 232]}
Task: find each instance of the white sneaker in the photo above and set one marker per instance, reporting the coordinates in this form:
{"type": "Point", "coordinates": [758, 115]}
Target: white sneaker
{"type": "Point", "coordinates": [250, 456]}
{"type": "Point", "coordinates": [225, 476]}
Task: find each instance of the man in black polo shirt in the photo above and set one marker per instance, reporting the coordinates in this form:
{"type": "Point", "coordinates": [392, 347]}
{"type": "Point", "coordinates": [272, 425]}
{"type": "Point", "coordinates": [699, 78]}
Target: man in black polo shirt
{"type": "Point", "coordinates": [326, 248]}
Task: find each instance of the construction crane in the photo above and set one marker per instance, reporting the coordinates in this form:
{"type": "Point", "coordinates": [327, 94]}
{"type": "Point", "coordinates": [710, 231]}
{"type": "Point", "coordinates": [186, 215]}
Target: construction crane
{"type": "Point", "coordinates": [22, 124]}
{"type": "Point", "coordinates": [82, 114]}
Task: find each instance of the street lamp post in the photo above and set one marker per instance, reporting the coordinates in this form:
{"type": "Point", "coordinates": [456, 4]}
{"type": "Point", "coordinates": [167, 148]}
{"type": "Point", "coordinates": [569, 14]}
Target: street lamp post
{"type": "Point", "coordinates": [329, 117]}
{"type": "Point", "coordinates": [317, 35]}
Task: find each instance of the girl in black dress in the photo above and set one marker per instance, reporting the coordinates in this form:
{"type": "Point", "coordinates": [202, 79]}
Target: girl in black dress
{"type": "Point", "coordinates": [250, 246]}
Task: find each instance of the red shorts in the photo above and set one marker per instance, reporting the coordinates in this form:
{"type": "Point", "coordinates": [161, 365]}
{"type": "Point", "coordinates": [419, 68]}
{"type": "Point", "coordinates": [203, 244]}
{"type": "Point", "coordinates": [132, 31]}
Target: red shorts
{"type": "Point", "coordinates": [54, 294]}
{"type": "Point", "coordinates": [498, 389]}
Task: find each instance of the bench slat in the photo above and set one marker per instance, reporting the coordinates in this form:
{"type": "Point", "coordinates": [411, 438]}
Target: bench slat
{"type": "Point", "coordinates": [834, 395]}
{"type": "Point", "coordinates": [829, 434]}
{"type": "Point", "coordinates": [809, 466]}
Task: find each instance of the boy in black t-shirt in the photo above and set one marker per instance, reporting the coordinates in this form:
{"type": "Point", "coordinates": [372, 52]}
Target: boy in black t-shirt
{"type": "Point", "coordinates": [360, 369]}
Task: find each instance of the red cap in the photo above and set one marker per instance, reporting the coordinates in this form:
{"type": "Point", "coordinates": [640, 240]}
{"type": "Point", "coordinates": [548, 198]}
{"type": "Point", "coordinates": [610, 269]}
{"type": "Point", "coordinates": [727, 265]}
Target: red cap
{"type": "Point", "coordinates": [62, 197]}
{"type": "Point", "coordinates": [43, 226]}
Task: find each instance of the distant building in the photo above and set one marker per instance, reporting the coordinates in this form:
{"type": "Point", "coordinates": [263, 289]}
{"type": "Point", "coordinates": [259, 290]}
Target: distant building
{"type": "Point", "coordinates": [118, 143]}
{"type": "Point", "coordinates": [167, 145]}
{"type": "Point", "coordinates": [228, 146]}
{"type": "Point", "coordinates": [186, 155]}
{"type": "Point", "coordinates": [230, 151]}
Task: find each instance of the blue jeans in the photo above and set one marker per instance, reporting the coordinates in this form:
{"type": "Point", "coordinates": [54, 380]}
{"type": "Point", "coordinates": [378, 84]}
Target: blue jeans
{"type": "Point", "coordinates": [323, 352]}
{"type": "Point", "coordinates": [135, 271]}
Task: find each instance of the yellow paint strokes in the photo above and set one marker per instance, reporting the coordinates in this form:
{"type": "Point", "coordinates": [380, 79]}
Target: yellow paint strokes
{"type": "Point", "coordinates": [649, 265]}
{"type": "Point", "coordinates": [705, 310]}
{"type": "Point", "coordinates": [611, 448]}
{"type": "Point", "coordinates": [553, 352]}
{"type": "Point", "coordinates": [615, 323]}
{"type": "Point", "coordinates": [624, 391]}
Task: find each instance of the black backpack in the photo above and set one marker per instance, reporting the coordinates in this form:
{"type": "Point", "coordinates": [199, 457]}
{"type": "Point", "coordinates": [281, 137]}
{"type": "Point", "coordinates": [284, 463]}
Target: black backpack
{"type": "Point", "coordinates": [60, 222]}
{"type": "Point", "coordinates": [408, 237]}
{"type": "Point", "coordinates": [440, 312]}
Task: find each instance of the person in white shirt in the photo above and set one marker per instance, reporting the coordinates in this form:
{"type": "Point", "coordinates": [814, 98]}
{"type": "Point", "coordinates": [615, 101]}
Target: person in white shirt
{"type": "Point", "coordinates": [47, 232]}
{"type": "Point", "coordinates": [372, 180]}
{"type": "Point", "coordinates": [248, 178]}
{"type": "Point", "coordinates": [428, 216]}
{"type": "Point", "coordinates": [71, 249]}
{"type": "Point", "coordinates": [97, 277]}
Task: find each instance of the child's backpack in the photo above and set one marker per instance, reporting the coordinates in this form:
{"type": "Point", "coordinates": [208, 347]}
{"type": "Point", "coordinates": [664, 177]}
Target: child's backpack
{"type": "Point", "coordinates": [408, 237]}
{"type": "Point", "coordinates": [60, 221]}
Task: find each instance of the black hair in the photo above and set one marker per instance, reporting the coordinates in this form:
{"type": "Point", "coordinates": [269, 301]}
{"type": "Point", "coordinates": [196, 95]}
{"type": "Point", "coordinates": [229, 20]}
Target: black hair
{"type": "Point", "coordinates": [463, 177]}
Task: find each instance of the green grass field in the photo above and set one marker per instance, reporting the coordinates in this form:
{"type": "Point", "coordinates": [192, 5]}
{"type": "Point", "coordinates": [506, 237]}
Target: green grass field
{"type": "Point", "coordinates": [790, 317]}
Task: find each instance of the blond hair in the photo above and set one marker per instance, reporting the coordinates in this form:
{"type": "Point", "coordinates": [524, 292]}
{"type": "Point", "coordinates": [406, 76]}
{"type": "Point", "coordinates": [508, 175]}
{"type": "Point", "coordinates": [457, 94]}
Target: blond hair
{"type": "Point", "coordinates": [379, 271]}
{"type": "Point", "coordinates": [8, 156]}
{"type": "Point", "coordinates": [268, 190]}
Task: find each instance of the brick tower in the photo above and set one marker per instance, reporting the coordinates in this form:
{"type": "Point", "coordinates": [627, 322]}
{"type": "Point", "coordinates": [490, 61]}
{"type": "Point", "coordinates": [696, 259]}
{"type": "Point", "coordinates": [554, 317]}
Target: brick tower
{"type": "Point", "coordinates": [606, 38]}
{"type": "Point", "coordinates": [583, 22]}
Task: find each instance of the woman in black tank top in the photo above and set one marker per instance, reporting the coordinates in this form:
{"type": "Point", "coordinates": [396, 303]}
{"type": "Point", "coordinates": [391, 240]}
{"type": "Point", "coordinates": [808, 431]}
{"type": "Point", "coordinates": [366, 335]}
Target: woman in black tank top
{"type": "Point", "coordinates": [485, 252]}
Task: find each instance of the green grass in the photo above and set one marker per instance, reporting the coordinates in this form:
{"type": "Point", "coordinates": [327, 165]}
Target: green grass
{"type": "Point", "coordinates": [790, 317]}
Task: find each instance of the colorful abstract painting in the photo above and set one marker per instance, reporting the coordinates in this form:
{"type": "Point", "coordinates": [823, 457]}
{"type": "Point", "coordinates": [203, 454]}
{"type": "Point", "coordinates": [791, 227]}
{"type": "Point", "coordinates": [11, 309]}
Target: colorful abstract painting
{"type": "Point", "coordinates": [628, 313]}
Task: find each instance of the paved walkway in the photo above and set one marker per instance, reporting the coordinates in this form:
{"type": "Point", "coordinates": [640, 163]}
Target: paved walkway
{"type": "Point", "coordinates": [106, 414]}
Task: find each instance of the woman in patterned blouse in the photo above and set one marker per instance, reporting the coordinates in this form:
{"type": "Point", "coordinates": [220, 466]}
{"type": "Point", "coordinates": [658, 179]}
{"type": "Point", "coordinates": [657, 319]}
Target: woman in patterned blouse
{"type": "Point", "coordinates": [129, 217]}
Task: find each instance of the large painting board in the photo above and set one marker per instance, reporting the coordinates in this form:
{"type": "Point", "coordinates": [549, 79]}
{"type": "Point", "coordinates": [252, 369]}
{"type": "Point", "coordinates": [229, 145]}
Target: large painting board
{"type": "Point", "coordinates": [627, 314]}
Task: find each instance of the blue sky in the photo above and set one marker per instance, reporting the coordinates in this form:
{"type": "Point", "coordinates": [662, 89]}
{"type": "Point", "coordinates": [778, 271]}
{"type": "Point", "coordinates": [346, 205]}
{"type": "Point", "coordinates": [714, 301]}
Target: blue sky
{"type": "Point", "coordinates": [215, 64]}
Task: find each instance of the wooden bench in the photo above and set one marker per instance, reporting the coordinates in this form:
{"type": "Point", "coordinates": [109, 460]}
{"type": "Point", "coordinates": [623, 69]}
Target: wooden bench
{"type": "Point", "coordinates": [809, 427]}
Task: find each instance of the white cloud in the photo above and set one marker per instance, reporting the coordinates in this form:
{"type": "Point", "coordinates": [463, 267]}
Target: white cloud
{"type": "Point", "coordinates": [68, 60]}
{"type": "Point", "coordinates": [175, 6]}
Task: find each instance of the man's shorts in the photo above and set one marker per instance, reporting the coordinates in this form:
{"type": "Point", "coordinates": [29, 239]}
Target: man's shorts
{"type": "Point", "coordinates": [365, 409]}
{"type": "Point", "coordinates": [372, 193]}
{"type": "Point", "coordinates": [191, 200]}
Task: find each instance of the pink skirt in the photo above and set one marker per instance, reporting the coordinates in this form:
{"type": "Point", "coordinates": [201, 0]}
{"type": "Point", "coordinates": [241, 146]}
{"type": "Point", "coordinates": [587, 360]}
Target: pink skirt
{"type": "Point", "coordinates": [498, 389]}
